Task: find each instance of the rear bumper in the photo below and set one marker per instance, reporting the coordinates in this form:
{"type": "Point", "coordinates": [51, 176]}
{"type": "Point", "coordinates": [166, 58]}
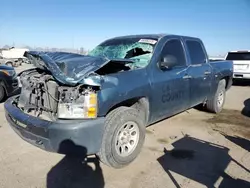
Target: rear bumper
{"type": "Point", "coordinates": [239, 75]}
{"type": "Point", "coordinates": [64, 136]}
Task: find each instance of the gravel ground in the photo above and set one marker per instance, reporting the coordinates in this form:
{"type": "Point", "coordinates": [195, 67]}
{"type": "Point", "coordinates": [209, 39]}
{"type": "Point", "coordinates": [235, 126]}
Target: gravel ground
{"type": "Point", "coordinates": [192, 149]}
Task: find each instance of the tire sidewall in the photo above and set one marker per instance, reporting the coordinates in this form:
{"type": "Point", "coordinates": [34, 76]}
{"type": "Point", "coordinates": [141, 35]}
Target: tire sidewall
{"type": "Point", "coordinates": [221, 88]}
{"type": "Point", "coordinates": [136, 151]}
{"type": "Point", "coordinates": [128, 114]}
{"type": "Point", "coordinates": [2, 93]}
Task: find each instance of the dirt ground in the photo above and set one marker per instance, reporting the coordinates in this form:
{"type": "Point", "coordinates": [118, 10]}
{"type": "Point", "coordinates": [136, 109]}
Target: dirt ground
{"type": "Point", "coordinates": [192, 149]}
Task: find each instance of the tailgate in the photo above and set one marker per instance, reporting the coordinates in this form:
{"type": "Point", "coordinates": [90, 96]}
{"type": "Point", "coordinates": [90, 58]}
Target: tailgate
{"type": "Point", "coordinates": [241, 66]}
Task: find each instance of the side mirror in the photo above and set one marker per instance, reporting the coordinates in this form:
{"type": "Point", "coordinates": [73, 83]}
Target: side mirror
{"type": "Point", "coordinates": [167, 62]}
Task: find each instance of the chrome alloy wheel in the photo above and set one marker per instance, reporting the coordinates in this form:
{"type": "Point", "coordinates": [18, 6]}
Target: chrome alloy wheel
{"type": "Point", "coordinates": [127, 139]}
{"type": "Point", "coordinates": [220, 99]}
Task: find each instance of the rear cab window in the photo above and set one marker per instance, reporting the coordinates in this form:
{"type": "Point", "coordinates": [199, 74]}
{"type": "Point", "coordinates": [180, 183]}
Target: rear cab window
{"type": "Point", "coordinates": [238, 56]}
{"type": "Point", "coordinates": [196, 52]}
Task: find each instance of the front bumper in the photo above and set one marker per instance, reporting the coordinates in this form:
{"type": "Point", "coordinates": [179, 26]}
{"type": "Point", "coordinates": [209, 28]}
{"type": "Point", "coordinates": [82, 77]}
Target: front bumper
{"type": "Point", "coordinates": [62, 136]}
{"type": "Point", "coordinates": [239, 75]}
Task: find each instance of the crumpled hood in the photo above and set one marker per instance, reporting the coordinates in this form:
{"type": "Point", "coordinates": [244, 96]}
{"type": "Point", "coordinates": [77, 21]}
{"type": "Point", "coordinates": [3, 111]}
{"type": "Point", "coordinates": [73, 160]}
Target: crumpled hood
{"type": "Point", "coordinates": [69, 68]}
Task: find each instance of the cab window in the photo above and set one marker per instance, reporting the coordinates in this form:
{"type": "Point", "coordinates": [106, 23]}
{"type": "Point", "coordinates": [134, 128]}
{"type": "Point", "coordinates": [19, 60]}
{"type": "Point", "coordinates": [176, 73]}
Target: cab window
{"type": "Point", "coordinates": [174, 48]}
{"type": "Point", "coordinates": [196, 52]}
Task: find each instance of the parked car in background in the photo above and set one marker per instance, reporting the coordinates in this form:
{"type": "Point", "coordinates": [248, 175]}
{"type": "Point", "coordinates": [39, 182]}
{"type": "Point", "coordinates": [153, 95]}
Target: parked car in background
{"type": "Point", "coordinates": [8, 82]}
{"type": "Point", "coordinates": [13, 57]}
{"type": "Point", "coordinates": [11, 62]}
{"type": "Point", "coordinates": [26, 60]}
{"type": "Point", "coordinates": [101, 103]}
{"type": "Point", "coordinates": [241, 62]}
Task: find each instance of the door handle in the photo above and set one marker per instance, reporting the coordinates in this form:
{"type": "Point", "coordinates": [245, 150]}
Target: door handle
{"type": "Point", "coordinates": [187, 77]}
{"type": "Point", "coordinates": [207, 72]}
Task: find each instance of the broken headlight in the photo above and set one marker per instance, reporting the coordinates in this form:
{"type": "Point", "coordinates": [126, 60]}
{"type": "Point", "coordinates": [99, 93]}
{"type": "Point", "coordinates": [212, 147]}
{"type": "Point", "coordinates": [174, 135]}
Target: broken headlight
{"type": "Point", "coordinates": [86, 107]}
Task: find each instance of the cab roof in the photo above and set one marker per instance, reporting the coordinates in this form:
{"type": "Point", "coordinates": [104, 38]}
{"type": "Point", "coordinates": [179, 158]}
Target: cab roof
{"type": "Point", "coordinates": [152, 36]}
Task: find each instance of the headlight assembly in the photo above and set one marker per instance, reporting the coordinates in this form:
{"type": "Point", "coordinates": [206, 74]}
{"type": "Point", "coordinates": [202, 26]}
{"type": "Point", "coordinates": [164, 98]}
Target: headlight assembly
{"type": "Point", "coordinates": [79, 110]}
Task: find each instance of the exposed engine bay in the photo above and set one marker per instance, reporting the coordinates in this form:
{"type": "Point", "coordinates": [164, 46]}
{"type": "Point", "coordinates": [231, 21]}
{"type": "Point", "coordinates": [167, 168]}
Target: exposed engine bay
{"type": "Point", "coordinates": [42, 96]}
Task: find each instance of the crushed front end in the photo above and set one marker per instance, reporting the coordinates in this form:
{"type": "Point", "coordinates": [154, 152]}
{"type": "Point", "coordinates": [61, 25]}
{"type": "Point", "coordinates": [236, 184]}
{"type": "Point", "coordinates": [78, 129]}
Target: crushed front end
{"type": "Point", "coordinates": [55, 117]}
{"type": "Point", "coordinates": [58, 105]}
{"type": "Point", "coordinates": [42, 96]}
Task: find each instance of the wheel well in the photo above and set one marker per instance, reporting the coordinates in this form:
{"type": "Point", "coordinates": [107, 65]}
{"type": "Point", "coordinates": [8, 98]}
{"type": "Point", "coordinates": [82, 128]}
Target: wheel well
{"type": "Point", "coordinates": [139, 103]}
{"type": "Point", "coordinates": [9, 62]}
{"type": "Point", "coordinates": [227, 79]}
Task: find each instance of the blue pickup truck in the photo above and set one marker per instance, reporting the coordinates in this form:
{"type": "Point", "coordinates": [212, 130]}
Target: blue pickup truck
{"type": "Point", "coordinates": [101, 103]}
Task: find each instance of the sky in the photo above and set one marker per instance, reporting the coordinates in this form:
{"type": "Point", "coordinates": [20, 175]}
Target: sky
{"type": "Point", "coordinates": [223, 25]}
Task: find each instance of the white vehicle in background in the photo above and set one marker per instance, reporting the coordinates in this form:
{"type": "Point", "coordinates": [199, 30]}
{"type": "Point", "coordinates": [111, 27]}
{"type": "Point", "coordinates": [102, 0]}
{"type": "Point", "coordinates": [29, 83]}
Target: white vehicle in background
{"type": "Point", "coordinates": [241, 62]}
{"type": "Point", "coordinates": [13, 56]}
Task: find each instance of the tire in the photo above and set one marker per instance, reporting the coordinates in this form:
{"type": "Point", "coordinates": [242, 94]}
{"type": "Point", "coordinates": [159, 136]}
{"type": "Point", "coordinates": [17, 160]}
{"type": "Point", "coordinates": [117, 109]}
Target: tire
{"type": "Point", "coordinates": [141, 107]}
{"type": "Point", "coordinates": [110, 152]}
{"type": "Point", "coordinates": [2, 93]}
{"type": "Point", "coordinates": [213, 105]}
{"type": "Point", "coordinates": [9, 63]}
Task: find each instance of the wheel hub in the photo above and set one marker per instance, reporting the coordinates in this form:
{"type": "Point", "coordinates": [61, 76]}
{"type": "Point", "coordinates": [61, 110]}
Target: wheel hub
{"type": "Point", "coordinates": [127, 139]}
{"type": "Point", "coordinates": [220, 99]}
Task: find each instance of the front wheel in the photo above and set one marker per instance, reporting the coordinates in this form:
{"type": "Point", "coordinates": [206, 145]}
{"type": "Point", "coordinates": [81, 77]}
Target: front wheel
{"type": "Point", "coordinates": [123, 137]}
{"type": "Point", "coordinates": [9, 63]}
{"type": "Point", "coordinates": [216, 103]}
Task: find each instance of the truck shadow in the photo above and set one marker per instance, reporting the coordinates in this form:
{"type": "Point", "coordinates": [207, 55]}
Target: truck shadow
{"type": "Point", "coordinates": [202, 162]}
{"type": "Point", "coordinates": [242, 142]}
{"type": "Point", "coordinates": [246, 110]}
{"type": "Point", "coordinates": [74, 171]}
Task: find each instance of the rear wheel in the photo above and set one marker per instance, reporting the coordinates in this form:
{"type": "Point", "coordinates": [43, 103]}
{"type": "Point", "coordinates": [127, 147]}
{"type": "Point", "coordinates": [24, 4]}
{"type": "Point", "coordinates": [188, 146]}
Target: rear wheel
{"type": "Point", "coordinates": [123, 137]}
{"type": "Point", "coordinates": [216, 103]}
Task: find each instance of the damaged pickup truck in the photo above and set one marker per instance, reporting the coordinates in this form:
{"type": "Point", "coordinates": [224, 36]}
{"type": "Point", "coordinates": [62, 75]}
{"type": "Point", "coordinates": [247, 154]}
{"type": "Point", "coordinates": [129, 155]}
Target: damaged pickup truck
{"type": "Point", "coordinates": [101, 103]}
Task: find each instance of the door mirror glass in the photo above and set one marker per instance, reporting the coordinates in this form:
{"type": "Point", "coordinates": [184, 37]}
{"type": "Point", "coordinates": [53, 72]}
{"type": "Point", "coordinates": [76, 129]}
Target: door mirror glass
{"type": "Point", "coordinates": [168, 62]}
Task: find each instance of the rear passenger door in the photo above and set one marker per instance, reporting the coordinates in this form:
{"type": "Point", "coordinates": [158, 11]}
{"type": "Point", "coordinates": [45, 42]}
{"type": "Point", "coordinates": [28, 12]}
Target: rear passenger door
{"type": "Point", "coordinates": [200, 72]}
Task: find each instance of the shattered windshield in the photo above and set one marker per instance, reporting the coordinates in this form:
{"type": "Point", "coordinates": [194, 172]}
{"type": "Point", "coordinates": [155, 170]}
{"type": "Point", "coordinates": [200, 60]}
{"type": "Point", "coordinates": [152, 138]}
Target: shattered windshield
{"type": "Point", "coordinates": [138, 49]}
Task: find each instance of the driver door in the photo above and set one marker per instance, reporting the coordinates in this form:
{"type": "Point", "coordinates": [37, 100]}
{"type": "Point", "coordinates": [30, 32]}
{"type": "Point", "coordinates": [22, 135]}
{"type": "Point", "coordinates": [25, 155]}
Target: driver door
{"type": "Point", "coordinates": [171, 86]}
